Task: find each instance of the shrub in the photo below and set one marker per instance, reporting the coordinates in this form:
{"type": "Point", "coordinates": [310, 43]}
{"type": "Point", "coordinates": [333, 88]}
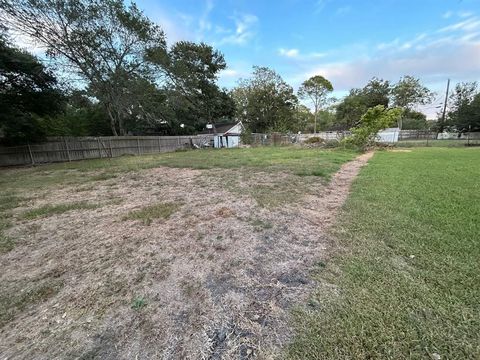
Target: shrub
{"type": "Point", "coordinates": [314, 140]}
{"type": "Point", "coordinates": [246, 137]}
{"type": "Point", "coordinates": [374, 120]}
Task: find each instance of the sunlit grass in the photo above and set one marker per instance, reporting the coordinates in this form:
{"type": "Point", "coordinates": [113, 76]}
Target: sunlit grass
{"type": "Point", "coordinates": [406, 282]}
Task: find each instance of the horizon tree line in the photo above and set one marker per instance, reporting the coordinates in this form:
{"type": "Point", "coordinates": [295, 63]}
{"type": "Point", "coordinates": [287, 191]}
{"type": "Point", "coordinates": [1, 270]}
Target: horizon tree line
{"type": "Point", "coordinates": [122, 79]}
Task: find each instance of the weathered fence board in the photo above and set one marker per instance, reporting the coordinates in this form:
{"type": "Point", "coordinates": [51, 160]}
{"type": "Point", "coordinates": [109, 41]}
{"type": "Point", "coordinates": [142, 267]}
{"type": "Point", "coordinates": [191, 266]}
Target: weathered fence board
{"type": "Point", "coordinates": [62, 149]}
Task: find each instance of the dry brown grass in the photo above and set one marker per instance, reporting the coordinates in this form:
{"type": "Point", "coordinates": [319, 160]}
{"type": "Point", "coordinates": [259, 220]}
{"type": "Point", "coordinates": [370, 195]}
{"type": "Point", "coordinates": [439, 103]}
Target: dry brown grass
{"type": "Point", "coordinates": [215, 278]}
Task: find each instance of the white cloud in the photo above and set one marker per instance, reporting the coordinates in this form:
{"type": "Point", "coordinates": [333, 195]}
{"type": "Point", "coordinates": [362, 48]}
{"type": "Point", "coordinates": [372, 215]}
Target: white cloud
{"type": "Point", "coordinates": [450, 52]}
{"type": "Point", "coordinates": [245, 30]}
{"type": "Point", "coordinates": [229, 73]}
{"type": "Point", "coordinates": [464, 14]}
{"type": "Point", "coordinates": [472, 23]}
{"type": "Point", "coordinates": [297, 55]}
{"type": "Point", "coordinates": [447, 15]}
{"type": "Point", "coordinates": [291, 53]}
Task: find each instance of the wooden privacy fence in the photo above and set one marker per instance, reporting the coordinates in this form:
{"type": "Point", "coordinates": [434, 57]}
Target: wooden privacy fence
{"type": "Point", "coordinates": [60, 149]}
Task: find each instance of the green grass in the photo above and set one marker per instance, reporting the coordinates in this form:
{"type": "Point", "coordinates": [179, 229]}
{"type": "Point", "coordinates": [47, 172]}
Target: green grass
{"type": "Point", "coordinates": [49, 210]}
{"type": "Point", "coordinates": [138, 303]}
{"type": "Point", "coordinates": [156, 211]}
{"type": "Point", "coordinates": [6, 242]}
{"type": "Point", "coordinates": [406, 284]}
{"type": "Point", "coordinates": [437, 143]}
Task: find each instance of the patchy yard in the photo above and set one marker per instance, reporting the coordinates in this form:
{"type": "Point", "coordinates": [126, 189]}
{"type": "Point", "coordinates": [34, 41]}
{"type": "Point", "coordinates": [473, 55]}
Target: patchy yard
{"type": "Point", "coordinates": [182, 255]}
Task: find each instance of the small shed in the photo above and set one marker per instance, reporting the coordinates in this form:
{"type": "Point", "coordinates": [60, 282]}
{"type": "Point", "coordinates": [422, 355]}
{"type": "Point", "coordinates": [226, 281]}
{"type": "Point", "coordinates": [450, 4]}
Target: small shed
{"type": "Point", "coordinates": [225, 135]}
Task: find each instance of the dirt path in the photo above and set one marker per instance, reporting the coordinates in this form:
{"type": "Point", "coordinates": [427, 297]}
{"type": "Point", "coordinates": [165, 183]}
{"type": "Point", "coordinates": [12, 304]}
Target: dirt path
{"type": "Point", "coordinates": [324, 207]}
{"type": "Point", "coordinates": [218, 278]}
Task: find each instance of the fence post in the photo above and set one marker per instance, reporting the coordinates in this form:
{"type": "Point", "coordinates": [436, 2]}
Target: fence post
{"type": "Point", "coordinates": [66, 147]}
{"type": "Point", "coordinates": [31, 154]}
{"type": "Point", "coordinates": [110, 146]}
{"type": "Point", "coordinates": [138, 146]}
{"type": "Point", "coordinates": [99, 148]}
{"type": "Point", "coordinates": [159, 147]}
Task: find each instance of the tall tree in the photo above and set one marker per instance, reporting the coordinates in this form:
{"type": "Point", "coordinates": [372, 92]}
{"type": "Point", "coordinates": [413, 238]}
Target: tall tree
{"type": "Point", "coordinates": [28, 91]}
{"type": "Point", "coordinates": [103, 41]}
{"type": "Point", "coordinates": [194, 95]}
{"type": "Point", "coordinates": [408, 93]}
{"type": "Point", "coordinates": [358, 101]}
{"type": "Point", "coordinates": [464, 114]}
{"type": "Point", "coordinates": [265, 102]}
{"type": "Point", "coordinates": [316, 90]}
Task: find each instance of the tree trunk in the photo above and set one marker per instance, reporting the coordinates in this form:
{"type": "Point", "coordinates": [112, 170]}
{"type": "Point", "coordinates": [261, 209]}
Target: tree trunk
{"type": "Point", "coordinates": [112, 120]}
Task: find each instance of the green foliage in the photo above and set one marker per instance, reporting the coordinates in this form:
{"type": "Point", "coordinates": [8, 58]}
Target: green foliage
{"type": "Point", "coordinates": [358, 101]}
{"type": "Point", "coordinates": [193, 97]}
{"type": "Point", "coordinates": [265, 103]}
{"type": "Point", "coordinates": [246, 137]}
{"type": "Point", "coordinates": [316, 90]}
{"type": "Point", "coordinates": [404, 282]}
{"type": "Point", "coordinates": [302, 120]}
{"type": "Point", "coordinates": [465, 110]}
{"type": "Point", "coordinates": [29, 92]}
{"type": "Point", "coordinates": [374, 120]}
{"type": "Point", "coordinates": [104, 42]}
{"type": "Point", "coordinates": [81, 117]}
{"type": "Point", "coordinates": [409, 92]}
{"type": "Point", "coordinates": [414, 120]}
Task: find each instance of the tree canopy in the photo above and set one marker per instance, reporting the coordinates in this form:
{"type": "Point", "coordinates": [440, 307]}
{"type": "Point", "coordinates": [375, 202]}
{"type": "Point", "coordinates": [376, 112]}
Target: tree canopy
{"type": "Point", "coordinates": [316, 90]}
{"type": "Point", "coordinates": [358, 101]}
{"type": "Point", "coordinates": [265, 102]}
{"type": "Point", "coordinates": [28, 91]}
{"type": "Point", "coordinates": [464, 114]}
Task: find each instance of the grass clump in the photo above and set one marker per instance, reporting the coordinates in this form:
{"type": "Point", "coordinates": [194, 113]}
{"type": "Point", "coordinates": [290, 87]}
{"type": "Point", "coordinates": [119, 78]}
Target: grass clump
{"type": "Point", "coordinates": [138, 303]}
{"type": "Point", "coordinates": [151, 212]}
{"type": "Point", "coordinates": [103, 176]}
{"type": "Point", "coordinates": [14, 298]}
{"type": "Point", "coordinates": [6, 242]}
{"type": "Point", "coordinates": [314, 140]}
{"type": "Point", "coordinates": [406, 282]}
{"type": "Point", "coordinates": [50, 210]}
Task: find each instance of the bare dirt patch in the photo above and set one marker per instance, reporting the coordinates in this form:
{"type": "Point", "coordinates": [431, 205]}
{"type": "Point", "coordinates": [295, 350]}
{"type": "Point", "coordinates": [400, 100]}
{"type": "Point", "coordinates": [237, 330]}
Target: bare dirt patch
{"type": "Point", "coordinates": [215, 279]}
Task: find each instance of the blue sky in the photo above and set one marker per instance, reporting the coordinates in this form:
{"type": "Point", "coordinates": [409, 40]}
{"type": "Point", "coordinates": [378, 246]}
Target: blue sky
{"type": "Point", "coordinates": [348, 42]}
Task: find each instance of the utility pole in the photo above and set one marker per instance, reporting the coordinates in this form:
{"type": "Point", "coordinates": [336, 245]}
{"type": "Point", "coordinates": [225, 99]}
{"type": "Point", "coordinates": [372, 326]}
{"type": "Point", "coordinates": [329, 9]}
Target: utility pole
{"type": "Point", "coordinates": [444, 108]}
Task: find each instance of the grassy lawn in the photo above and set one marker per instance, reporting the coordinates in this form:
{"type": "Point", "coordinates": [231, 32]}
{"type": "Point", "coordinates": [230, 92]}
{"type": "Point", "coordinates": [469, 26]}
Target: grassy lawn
{"type": "Point", "coordinates": [438, 143]}
{"type": "Point", "coordinates": [406, 283]}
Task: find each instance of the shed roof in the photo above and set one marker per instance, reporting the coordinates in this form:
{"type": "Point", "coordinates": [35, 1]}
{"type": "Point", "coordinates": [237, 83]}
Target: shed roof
{"type": "Point", "coordinates": [222, 129]}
